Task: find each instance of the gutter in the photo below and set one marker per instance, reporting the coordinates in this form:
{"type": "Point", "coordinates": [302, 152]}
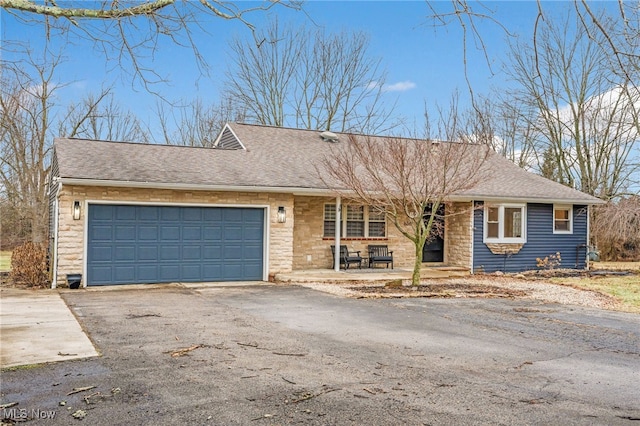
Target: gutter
{"type": "Point", "coordinates": [197, 187]}
{"type": "Point", "coordinates": [540, 200]}
{"type": "Point", "coordinates": [303, 191]}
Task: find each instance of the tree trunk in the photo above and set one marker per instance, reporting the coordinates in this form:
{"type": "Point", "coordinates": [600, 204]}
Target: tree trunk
{"type": "Point", "coordinates": [417, 264]}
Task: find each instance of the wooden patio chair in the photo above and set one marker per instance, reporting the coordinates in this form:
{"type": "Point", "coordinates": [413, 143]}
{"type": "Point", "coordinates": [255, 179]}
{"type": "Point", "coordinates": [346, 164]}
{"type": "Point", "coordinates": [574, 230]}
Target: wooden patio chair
{"type": "Point", "coordinates": [347, 257]}
{"type": "Point", "coordinates": [380, 254]}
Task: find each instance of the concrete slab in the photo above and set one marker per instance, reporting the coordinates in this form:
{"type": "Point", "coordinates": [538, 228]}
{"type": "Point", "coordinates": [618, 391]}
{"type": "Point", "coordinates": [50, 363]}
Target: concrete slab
{"type": "Point", "coordinates": [125, 287]}
{"type": "Point", "coordinates": [370, 275]}
{"type": "Point", "coordinates": [36, 326]}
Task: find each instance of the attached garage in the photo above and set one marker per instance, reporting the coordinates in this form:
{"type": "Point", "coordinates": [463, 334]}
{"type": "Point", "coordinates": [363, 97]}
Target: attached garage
{"type": "Point", "coordinates": [131, 244]}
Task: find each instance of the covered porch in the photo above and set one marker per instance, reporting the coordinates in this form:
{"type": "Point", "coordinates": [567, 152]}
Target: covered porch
{"type": "Point", "coordinates": [321, 222]}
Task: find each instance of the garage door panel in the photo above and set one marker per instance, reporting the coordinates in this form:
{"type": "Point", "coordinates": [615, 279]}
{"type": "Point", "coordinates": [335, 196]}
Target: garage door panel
{"type": "Point", "coordinates": [124, 273]}
{"type": "Point", "coordinates": [191, 253]}
{"type": "Point", "coordinates": [101, 254]}
{"type": "Point", "coordinates": [191, 272]}
{"type": "Point", "coordinates": [252, 251]}
{"type": "Point", "coordinates": [101, 233]}
{"type": "Point", "coordinates": [212, 252]}
{"type": "Point", "coordinates": [212, 233]}
{"type": "Point", "coordinates": [252, 232]}
{"type": "Point", "coordinates": [192, 215]}
{"type": "Point", "coordinates": [148, 232]}
{"type": "Point", "coordinates": [125, 232]}
{"type": "Point", "coordinates": [210, 271]}
{"type": "Point", "coordinates": [232, 252]}
{"type": "Point", "coordinates": [252, 268]}
{"type": "Point", "coordinates": [149, 213]}
{"type": "Point", "coordinates": [148, 273]}
{"type": "Point", "coordinates": [233, 233]}
{"type": "Point", "coordinates": [169, 273]}
{"type": "Point", "coordinates": [231, 271]}
{"type": "Point", "coordinates": [125, 212]}
{"type": "Point", "coordinates": [105, 213]}
{"type": "Point", "coordinates": [170, 253]}
{"type": "Point", "coordinates": [145, 244]}
{"type": "Point", "coordinates": [253, 216]}
{"type": "Point", "coordinates": [148, 253]}
{"type": "Point", "coordinates": [125, 253]}
{"type": "Point", "coordinates": [192, 233]}
{"type": "Point", "coordinates": [230, 215]}
{"type": "Point", "coordinates": [170, 232]}
{"type": "Point", "coordinates": [170, 213]}
{"type": "Point", "coordinates": [212, 215]}
{"type": "Point", "coordinates": [101, 274]}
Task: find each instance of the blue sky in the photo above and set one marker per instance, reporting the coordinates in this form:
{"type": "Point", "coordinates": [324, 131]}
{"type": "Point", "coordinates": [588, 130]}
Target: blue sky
{"type": "Point", "coordinates": [423, 64]}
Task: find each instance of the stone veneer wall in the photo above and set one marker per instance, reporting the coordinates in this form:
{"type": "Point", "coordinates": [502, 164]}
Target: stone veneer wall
{"type": "Point", "coordinates": [71, 233]}
{"type": "Point", "coordinates": [312, 251]}
{"type": "Point", "coordinates": [458, 234]}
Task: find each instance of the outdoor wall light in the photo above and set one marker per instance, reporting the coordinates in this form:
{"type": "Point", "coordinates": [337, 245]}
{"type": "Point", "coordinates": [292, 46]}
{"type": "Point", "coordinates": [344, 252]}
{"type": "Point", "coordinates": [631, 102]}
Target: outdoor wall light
{"type": "Point", "coordinates": [76, 210]}
{"type": "Point", "coordinates": [282, 215]}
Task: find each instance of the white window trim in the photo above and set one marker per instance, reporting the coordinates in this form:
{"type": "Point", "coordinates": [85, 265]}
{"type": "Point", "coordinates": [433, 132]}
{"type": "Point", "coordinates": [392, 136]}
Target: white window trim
{"type": "Point", "coordinates": [553, 218]}
{"type": "Point", "coordinates": [501, 238]}
{"type": "Point", "coordinates": [343, 223]}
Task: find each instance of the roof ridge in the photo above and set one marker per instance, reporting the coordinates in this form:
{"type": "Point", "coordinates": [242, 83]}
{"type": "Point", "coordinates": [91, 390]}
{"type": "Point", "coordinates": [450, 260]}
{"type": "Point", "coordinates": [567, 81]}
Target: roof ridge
{"type": "Point", "coordinates": [105, 141]}
{"type": "Point", "coordinates": [271, 126]}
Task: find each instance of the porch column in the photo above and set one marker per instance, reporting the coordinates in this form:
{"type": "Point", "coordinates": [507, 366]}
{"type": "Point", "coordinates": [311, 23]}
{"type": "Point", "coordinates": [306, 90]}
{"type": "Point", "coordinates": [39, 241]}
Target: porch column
{"type": "Point", "coordinates": [336, 259]}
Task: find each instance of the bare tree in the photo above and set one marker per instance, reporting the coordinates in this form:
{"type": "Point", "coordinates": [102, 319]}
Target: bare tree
{"type": "Point", "coordinates": [108, 120]}
{"type": "Point", "coordinates": [503, 125]}
{"type": "Point", "coordinates": [407, 179]}
{"type": "Point", "coordinates": [263, 76]}
{"type": "Point", "coordinates": [129, 32]}
{"type": "Point", "coordinates": [616, 33]}
{"type": "Point", "coordinates": [25, 104]}
{"type": "Point", "coordinates": [585, 122]}
{"type": "Point", "coordinates": [30, 117]}
{"type": "Point", "coordinates": [195, 124]}
{"type": "Point", "coordinates": [497, 123]}
{"type": "Point", "coordinates": [618, 236]}
{"type": "Point", "coordinates": [340, 86]}
{"type": "Point", "coordinates": [306, 79]}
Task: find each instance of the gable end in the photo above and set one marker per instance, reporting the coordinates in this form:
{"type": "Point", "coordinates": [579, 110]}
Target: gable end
{"type": "Point", "coordinates": [228, 140]}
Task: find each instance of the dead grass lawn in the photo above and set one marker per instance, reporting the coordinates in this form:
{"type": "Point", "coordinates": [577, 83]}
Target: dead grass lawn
{"type": "Point", "coordinates": [624, 288]}
{"type": "Point", "coordinates": [5, 261]}
{"type": "Point", "coordinates": [615, 266]}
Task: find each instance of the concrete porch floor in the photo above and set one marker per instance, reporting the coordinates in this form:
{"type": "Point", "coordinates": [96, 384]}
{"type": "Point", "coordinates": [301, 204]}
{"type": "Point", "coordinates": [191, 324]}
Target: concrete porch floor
{"type": "Point", "coordinates": [367, 274]}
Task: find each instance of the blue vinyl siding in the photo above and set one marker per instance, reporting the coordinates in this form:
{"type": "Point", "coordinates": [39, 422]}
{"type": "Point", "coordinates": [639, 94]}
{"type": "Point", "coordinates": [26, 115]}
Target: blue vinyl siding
{"type": "Point", "coordinates": [541, 241]}
{"type": "Point", "coordinates": [130, 244]}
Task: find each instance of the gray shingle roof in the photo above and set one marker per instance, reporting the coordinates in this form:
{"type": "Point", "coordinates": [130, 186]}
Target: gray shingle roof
{"type": "Point", "coordinates": [274, 158]}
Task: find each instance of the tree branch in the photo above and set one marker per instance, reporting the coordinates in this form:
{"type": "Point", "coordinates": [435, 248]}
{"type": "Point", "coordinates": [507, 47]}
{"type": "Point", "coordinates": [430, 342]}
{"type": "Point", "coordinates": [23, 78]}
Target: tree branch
{"type": "Point", "coordinates": [147, 8]}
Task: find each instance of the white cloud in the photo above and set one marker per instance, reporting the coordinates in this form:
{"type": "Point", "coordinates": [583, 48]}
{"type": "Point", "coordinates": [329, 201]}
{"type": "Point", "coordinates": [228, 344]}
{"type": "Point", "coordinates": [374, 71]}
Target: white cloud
{"type": "Point", "coordinates": [373, 85]}
{"type": "Point", "coordinates": [401, 86]}
{"type": "Point", "coordinates": [612, 109]}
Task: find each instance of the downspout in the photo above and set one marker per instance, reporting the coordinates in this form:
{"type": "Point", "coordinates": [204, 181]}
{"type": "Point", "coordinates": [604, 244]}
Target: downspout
{"type": "Point", "coordinates": [473, 236]}
{"type": "Point", "coordinates": [56, 208]}
{"type": "Point", "coordinates": [588, 242]}
{"type": "Point", "coordinates": [336, 258]}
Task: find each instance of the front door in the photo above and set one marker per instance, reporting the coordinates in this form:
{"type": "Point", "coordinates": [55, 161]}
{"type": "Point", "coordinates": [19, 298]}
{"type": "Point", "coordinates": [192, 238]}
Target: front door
{"type": "Point", "coordinates": [433, 250]}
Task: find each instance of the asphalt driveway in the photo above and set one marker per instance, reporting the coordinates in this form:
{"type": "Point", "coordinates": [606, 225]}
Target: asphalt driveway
{"type": "Point", "coordinates": [291, 355]}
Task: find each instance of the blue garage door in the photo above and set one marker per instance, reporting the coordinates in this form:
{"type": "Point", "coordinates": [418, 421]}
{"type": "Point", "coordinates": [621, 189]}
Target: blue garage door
{"type": "Point", "coordinates": [155, 244]}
